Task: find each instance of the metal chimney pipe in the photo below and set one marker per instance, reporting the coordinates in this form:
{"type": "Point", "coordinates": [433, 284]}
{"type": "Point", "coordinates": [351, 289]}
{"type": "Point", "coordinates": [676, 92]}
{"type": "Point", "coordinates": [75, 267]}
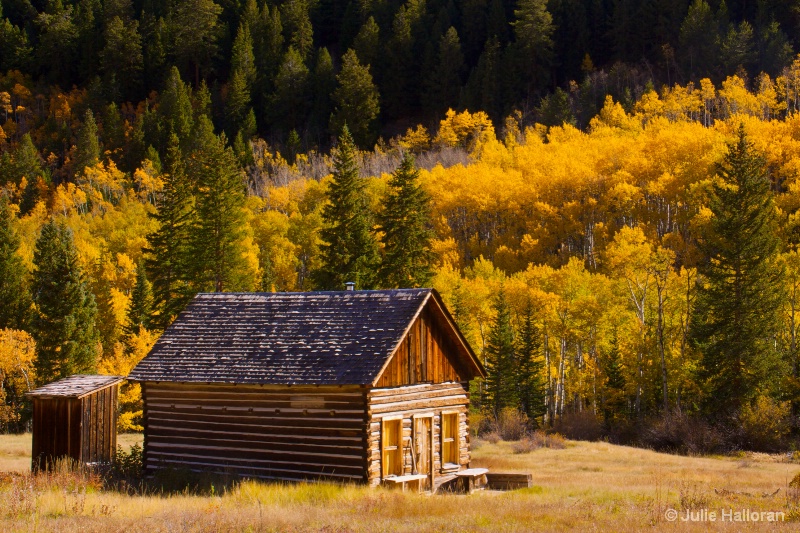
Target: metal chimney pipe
{"type": "Point", "coordinates": [351, 285]}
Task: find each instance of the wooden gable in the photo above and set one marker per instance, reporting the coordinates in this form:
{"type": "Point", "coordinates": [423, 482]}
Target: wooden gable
{"type": "Point", "coordinates": [431, 351]}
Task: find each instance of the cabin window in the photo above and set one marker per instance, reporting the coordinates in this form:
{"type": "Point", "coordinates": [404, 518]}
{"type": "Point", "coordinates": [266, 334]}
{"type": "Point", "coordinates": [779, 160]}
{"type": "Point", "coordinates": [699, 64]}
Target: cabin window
{"type": "Point", "coordinates": [392, 438]}
{"type": "Point", "coordinates": [449, 439]}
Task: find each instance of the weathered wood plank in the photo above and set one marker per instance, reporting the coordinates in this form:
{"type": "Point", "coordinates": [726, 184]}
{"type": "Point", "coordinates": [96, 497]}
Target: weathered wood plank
{"type": "Point", "coordinates": [504, 481]}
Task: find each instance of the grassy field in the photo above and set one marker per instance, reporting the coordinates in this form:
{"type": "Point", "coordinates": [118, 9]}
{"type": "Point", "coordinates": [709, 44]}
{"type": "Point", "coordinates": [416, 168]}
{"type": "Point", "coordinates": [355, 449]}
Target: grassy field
{"type": "Point", "coordinates": [584, 487]}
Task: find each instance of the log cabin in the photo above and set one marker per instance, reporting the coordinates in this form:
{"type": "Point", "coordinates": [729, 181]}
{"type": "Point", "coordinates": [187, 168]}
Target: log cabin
{"type": "Point", "coordinates": [357, 386]}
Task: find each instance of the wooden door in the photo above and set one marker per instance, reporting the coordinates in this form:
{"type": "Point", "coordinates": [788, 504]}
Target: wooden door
{"type": "Point", "coordinates": [423, 448]}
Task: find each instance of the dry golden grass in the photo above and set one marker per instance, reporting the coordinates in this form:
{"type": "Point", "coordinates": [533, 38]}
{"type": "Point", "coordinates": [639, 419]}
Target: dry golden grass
{"type": "Point", "coordinates": [15, 450]}
{"type": "Point", "coordinates": [15, 453]}
{"type": "Point", "coordinates": [584, 487]}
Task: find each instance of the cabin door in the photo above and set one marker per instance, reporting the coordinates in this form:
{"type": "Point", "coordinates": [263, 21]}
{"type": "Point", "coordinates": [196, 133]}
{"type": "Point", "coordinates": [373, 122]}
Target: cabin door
{"type": "Point", "coordinates": [423, 447]}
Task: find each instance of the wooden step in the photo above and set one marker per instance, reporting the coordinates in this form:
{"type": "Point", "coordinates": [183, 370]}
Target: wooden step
{"type": "Point", "coordinates": [503, 481]}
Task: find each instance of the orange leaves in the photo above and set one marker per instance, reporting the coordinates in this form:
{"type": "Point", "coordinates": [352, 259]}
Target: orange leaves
{"type": "Point", "coordinates": [17, 353]}
{"type": "Point", "coordinates": [464, 129]}
{"type": "Point", "coordinates": [148, 182]}
{"type": "Point", "coordinates": [416, 140]}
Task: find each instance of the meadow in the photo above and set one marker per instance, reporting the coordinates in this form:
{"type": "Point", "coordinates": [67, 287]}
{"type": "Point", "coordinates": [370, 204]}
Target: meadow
{"type": "Point", "coordinates": [586, 486]}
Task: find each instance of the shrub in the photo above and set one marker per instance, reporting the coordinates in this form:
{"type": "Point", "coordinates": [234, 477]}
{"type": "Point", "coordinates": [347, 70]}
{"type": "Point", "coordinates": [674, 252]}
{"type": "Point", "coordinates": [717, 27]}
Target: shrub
{"type": "Point", "coordinates": [477, 422]}
{"type": "Point", "coordinates": [677, 432]}
{"type": "Point", "coordinates": [765, 425]}
{"type": "Point", "coordinates": [509, 424]}
{"type": "Point", "coordinates": [583, 425]}
{"type": "Point", "coordinates": [539, 439]}
{"type": "Point", "coordinates": [130, 465]}
{"type": "Point", "coordinates": [492, 437]}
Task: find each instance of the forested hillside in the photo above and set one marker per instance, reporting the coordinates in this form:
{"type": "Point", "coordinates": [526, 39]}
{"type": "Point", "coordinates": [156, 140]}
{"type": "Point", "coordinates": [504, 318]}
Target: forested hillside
{"type": "Point", "coordinates": [287, 62]}
{"type": "Point", "coordinates": [610, 213]}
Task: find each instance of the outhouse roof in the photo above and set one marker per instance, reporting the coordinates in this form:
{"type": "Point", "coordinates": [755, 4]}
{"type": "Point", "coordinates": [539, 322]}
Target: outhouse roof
{"type": "Point", "coordinates": [75, 386]}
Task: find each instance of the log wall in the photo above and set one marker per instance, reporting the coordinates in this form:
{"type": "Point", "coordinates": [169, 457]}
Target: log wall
{"type": "Point", "coordinates": [408, 401]}
{"type": "Point", "coordinates": [270, 432]}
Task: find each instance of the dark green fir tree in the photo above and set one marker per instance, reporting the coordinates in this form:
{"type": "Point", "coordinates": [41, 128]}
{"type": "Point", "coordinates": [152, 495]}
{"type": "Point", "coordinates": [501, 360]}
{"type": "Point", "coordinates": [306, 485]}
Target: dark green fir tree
{"type": "Point", "coordinates": [141, 305]}
{"type": "Point", "coordinates": [614, 392]}
{"type": "Point", "coordinates": [349, 250]}
{"type": "Point", "coordinates": [167, 256]}
{"type": "Point", "coordinates": [217, 231]}
{"type": "Point", "coordinates": [501, 383]}
{"type": "Point", "coordinates": [407, 233]}
{"type": "Point", "coordinates": [357, 100]}
{"type": "Point", "coordinates": [64, 322]}
{"type": "Point", "coordinates": [737, 311]}
{"type": "Point", "coordinates": [530, 368]}
{"type": "Point", "coordinates": [87, 151]}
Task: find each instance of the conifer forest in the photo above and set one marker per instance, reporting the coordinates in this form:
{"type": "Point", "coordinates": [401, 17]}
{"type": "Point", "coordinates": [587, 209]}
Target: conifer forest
{"type": "Point", "coordinates": [605, 193]}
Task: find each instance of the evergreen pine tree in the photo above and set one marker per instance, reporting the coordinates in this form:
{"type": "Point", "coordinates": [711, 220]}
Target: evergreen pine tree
{"type": "Point", "coordinates": [167, 253]}
{"type": "Point", "coordinates": [237, 106]}
{"type": "Point", "coordinates": [614, 397]}
{"type": "Point", "coordinates": [175, 109]}
{"type": "Point", "coordinates": [533, 30]}
{"type": "Point", "coordinates": [367, 45]}
{"type": "Point", "coordinates": [444, 84]}
{"type": "Point", "coordinates": [406, 225]}
{"type": "Point", "coordinates": [87, 152]}
{"type": "Point", "coordinates": [356, 99]}
{"type": "Point", "coordinates": [64, 322]}
{"type": "Point", "coordinates": [122, 56]}
{"type": "Point", "coordinates": [290, 101]}
{"type": "Point", "coordinates": [217, 231]}
{"type": "Point", "coordinates": [27, 163]}
{"type": "Point", "coordinates": [16, 308]}
{"type": "Point", "coordinates": [324, 85]}
{"type": "Point", "coordinates": [297, 26]}
{"type": "Point", "coordinates": [194, 27]}
{"type": "Point", "coordinates": [399, 76]}
{"type": "Point", "coordinates": [530, 370]}
{"type": "Point", "coordinates": [141, 304]}
{"type": "Point", "coordinates": [501, 383]}
{"type": "Point", "coordinates": [113, 131]}
{"type": "Point", "coordinates": [349, 251]}
{"type": "Point", "coordinates": [242, 57]}
{"type": "Point", "coordinates": [736, 314]}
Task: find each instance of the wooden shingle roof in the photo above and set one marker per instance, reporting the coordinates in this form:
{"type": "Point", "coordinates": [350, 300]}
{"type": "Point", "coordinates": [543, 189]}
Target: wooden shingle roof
{"type": "Point", "coordinates": [312, 338]}
{"type": "Point", "coordinates": [75, 386]}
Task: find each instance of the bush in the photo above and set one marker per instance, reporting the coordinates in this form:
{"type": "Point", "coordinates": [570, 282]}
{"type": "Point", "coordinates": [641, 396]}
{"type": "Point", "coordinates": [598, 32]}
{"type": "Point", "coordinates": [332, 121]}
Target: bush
{"type": "Point", "coordinates": [477, 422]}
{"type": "Point", "coordinates": [125, 472]}
{"type": "Point", "coordinates": [677, 432]}
{"type": "Point", "coordinates": [130, 465]}
{"type": "Point", "coordinates": [765, 425]}
{"type": "Point", "coordinates": [539, 439]}
{"type": "Point", "coordinates": [492, 437]}
{"type": "Point", "coordinates": [510, 424]}
{"type": "Point", "coordinates": [583, 425]}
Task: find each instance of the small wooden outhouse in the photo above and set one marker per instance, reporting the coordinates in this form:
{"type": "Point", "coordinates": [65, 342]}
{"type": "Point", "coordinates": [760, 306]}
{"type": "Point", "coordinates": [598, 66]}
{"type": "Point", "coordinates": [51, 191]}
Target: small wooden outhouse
{"type": "Point", "coordinates": [359, 386]}
{"type": "Point", "coordinates": [75, 418]}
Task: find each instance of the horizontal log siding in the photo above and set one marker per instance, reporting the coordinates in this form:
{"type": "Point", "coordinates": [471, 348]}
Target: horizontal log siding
{"type": "Point", "coordinates": [408, 401]}
{"type": "Point", "coordinates": [270, 432]}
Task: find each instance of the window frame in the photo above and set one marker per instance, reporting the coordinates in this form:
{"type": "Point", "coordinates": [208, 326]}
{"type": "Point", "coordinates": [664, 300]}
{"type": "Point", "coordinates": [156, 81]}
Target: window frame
{"type": "Point", "coordinates": [450, 438]}
{"type": "Point", "coordinates": [392, 453]}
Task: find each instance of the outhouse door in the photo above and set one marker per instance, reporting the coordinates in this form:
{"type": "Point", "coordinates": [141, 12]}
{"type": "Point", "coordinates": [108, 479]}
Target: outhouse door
{"type": "Point", "coordinates": [423, 447]}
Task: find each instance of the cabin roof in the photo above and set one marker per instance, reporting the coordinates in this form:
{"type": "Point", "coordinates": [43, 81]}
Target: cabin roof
{"type": "Point", "coordinates": [311, 338]}
{"type": "Point", "coordinates": [75, 386]}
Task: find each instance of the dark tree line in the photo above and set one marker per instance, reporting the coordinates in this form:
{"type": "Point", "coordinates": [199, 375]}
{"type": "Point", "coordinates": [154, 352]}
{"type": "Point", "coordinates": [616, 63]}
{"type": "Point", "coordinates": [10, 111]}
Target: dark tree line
{"type": "Point", "coordinates": [305, 68]}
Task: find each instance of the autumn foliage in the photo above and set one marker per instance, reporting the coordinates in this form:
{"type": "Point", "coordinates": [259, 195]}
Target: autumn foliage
{"type": "Point", "coordinates": [591, 233]}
